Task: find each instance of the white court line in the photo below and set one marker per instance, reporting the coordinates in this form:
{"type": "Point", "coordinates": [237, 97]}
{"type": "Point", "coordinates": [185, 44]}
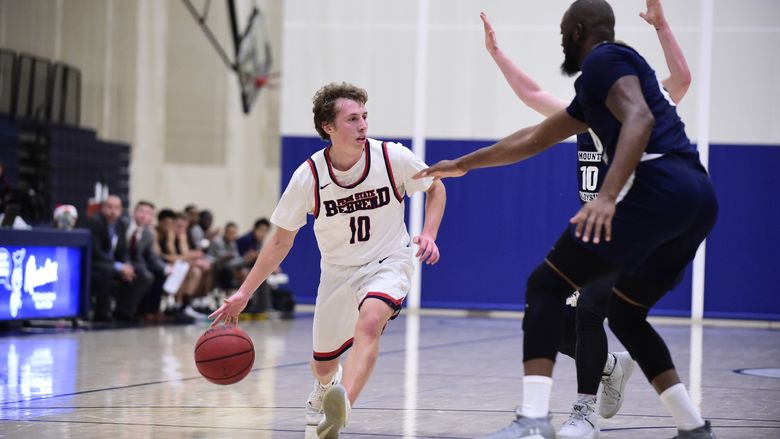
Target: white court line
{"type": "Point", "coordinates": [412, 365]}
{"type": "Point", "coordinates": [695, 368]}
{"type": "Point", "coordinates": [658, 320]}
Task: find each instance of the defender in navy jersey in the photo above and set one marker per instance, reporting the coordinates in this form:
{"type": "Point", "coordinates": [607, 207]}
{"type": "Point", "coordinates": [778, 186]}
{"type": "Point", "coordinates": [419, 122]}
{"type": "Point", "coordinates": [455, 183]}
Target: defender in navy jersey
{"type": "Point", "coordinates": [655, 206]}
{"type": "Point", "coordinates": [355, 190]}
{"type": "Point", "coordinates": [584, 337]}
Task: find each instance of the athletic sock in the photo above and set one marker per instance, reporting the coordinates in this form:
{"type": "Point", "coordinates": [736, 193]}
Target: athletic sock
{"type": "Point", "coordinates": [679, 403]}
{"type": "Point", "coordinates": [583, 398]}
{"type": "Point", "coordinates": [536, 396]}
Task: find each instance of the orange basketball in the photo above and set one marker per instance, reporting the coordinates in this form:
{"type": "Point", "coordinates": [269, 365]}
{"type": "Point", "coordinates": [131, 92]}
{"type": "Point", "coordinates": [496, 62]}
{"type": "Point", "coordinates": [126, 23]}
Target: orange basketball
{"type": "Point", "coordinates": [224, 355]}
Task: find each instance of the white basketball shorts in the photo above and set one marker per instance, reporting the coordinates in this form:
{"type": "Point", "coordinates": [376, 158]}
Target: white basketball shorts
{"type": "Point", "coordinates": [342, 291]}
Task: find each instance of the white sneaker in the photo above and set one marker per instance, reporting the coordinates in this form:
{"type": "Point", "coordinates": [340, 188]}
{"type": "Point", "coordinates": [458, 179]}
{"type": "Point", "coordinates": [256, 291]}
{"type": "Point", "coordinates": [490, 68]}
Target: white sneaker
{"type": "Point", "coordinates": [190, 312]}
{"type": "Point", "coordinates": [314, 404]}
{"type": "Point", "coordinates": [614, 384]}
{"type": "Point", "coordinates": [335, 408]}
{"type": "Point", "coordinates": [582, 423]}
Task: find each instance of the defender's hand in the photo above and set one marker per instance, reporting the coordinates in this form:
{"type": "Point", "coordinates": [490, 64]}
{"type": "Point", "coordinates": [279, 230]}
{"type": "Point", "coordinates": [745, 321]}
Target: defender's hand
{"type": "Point", "coordinates": [442, 169]}
{"type": "Point", "coordinates": [594, 217]}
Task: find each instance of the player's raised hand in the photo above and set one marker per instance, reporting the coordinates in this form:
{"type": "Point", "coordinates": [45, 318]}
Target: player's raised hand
{"type": "Point", "coordinates": [229, 311]}
{"type": "Point", "coordinates": [654, 14]}
{"type": "Point", "coordinates": [491, 43]}
{"type": "Point", "coordinates": [442, 169]}
{"type": "Point", "coordinates": [593, 218]}
{"type": "Point", "coordinates": [427, 250]}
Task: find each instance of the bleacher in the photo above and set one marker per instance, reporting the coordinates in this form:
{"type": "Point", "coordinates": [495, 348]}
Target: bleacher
{"type": "Point", "coordinates": [43, 147]}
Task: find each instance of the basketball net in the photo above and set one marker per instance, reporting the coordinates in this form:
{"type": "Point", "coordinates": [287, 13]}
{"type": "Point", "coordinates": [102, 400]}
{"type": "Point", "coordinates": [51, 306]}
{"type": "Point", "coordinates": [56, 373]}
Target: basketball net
{"type": "Point", "coordinates": [269, 80]}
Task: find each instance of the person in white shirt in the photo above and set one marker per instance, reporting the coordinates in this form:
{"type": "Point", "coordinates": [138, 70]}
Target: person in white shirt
{"type": "Point", "coordinates": [355, 190]}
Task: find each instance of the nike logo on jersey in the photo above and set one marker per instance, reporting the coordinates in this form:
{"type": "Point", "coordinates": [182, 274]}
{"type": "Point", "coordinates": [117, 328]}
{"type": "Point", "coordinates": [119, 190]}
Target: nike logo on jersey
{"type": "Point", "coordinates": [383, 259]}
{"type": "Point", "coordinates": [324, 186]}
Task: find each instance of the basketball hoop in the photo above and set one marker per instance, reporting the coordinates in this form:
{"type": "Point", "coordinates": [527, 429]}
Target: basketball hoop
{"type": "Point", "coordinates": [263, 80]}
{"type": "Point", "coordinates": [253, 59]}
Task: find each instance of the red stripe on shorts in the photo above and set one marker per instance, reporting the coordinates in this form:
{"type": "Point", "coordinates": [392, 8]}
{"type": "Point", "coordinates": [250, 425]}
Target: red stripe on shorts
{"type": "Point", "coordinates": [325, 356]}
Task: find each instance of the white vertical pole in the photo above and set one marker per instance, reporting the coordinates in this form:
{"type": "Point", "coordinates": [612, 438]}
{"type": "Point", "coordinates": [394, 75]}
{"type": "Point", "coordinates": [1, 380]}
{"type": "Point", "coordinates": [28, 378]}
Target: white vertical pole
{"type": "Point", "coordinates": [3, 23]}
{"type": "Point", "coordinates": [418, 140]}
{"type": "Point", "coordinates": [695, 369]}
{"type": "Point", "coordinates": [703, 80]}
{"type": "Point", "coordinates": [411, 372]}
{"type": "Point", "coordinates": [147, 163]}
{"type": "Point", "coordinates": [58, 37]}
{"type": "Point", "coordinates": [108, 72]}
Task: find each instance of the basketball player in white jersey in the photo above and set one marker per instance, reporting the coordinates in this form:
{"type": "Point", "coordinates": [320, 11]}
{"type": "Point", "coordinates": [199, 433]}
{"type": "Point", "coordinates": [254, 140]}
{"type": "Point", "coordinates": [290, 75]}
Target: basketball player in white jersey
{"type": "Point", "coordinates": [355, 190]}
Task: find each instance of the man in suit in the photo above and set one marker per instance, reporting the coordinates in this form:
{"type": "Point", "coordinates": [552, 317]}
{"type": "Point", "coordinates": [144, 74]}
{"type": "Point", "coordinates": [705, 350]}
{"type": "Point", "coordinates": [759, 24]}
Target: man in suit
{"type": "Point", "coordinates": [230, 266]}
{"type": "Point", "coordinates": [146, 262]}
{"type": "Point", "coordinates": [109, 257]}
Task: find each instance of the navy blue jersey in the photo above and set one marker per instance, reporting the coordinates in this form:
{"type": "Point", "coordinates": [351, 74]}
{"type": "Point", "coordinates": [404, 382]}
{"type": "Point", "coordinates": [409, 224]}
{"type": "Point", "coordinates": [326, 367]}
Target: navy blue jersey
{"type": "Point", "coordinates": [591, 167]}
{"type": "Point", "coordinates": [603, 66]}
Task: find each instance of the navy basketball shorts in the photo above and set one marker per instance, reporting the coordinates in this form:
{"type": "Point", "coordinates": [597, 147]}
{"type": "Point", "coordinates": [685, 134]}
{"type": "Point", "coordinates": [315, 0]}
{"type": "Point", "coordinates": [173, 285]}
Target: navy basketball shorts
{"type": "Point", "coordinates": [667, 212]}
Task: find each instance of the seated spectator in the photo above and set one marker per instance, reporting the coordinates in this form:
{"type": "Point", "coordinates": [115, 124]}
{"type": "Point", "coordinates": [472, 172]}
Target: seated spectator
{"type": "Point", "coordinates": [10, 217]}
{"type": "Point", "coordinates": [110, 266]}
{"type": "Point", "coordinates": [202, 233]}
{"type": "Point", "coordinates": [192, 214]}
{"type": "Point", "coordinates": [249, 244]}
{"type": "Point", "coordinates": [143, 255]}
{"type": "Point", "coordinates": [6, 188]}
{"type": "Point", "coordinates": [10, 207]}
{"type": "Point", "coordinates": [65, 217]}
{"type": "Point", "coordinates": [174, 245]}
{"type": "Point", "coordinates": [149, 309]}
{"type": "Point", "coordinates": [230, 268]}
{"type": "Point", "coordinates": [19, 207]}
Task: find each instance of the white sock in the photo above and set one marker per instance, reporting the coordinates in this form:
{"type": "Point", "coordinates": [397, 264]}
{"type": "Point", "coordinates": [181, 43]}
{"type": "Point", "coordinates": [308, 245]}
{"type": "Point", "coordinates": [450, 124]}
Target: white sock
{"type": "Point", "coordinates": [584, 398]}
{"type": "Point", "coordinates": [330, 380]}
{"type": "Point", "coordinates": [679, 403]}
{"type": "Point", "coordinates": [536, 396]}
{"type": "Point", "coordinates": [327, 384]}
{"type": "Point", "coordinates": [609, 365]}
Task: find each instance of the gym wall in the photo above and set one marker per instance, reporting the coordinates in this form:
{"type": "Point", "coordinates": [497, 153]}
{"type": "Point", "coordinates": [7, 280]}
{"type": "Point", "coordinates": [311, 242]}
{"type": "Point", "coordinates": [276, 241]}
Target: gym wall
{"type": "Point", "coordinates": [151, 79]}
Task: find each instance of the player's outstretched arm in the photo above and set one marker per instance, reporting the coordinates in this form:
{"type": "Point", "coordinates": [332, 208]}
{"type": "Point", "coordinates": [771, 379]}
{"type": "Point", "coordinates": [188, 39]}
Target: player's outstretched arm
{"type": "Point", "coordinates": [435, 199]}
{"type": "Point", "coordinates": [679, 74]}
{"type": "Point", "coordinates": [627, 103]}
{"type": "Point", "coordinates": [271, 256]}
{"type": "Point", "coordinates": [511, 149]}
{"type": "Point", "coordinates": [524, 87]}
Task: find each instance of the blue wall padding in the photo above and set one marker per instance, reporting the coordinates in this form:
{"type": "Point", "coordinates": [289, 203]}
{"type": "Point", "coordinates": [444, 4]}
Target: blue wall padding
{"type": "Point", "coordinates": [500, 223]}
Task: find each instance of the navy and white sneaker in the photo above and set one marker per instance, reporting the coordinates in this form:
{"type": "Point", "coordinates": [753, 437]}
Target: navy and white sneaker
{"type": "Point", "coordinates": [525, 428]}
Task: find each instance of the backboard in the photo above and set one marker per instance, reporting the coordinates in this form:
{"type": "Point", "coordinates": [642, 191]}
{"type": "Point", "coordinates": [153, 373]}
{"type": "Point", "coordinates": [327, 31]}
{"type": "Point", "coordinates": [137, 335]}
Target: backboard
{"type": "Point", "coordinates": [253, 59]}
{"type": "Point", "coordinates": [252, 48]}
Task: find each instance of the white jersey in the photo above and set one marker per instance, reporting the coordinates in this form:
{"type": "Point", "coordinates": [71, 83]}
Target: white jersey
{"type": "Point", "coordinates": [360, 221]}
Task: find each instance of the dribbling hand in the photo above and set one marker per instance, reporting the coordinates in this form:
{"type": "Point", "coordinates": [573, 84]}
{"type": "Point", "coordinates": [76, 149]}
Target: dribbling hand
{"type": "Point", "coordinates": [592, 218]}
{"type": "Point", "coordinates": [229, 311]}
{"type": "Point", "coordinates": [442, 169]}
